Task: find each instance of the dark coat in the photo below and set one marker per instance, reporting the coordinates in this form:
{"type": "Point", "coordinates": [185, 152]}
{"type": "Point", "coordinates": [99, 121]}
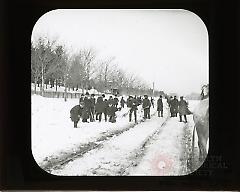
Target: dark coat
{"type": "Point", "coordinates": [132, 103]}
{"type": "Point", "coordinates": [86, 108]}
{"type": "Point", "coordinates": [111, 111]}
{"type": "Point", "coordinates": [129, 102]}
{"type": "Point", "coordinates": [146, 103]}
{"type": "Point", "coordinates": [93, 101]}
{"type": "Point", "coordinates": [183, 108]}
{"type": "Point", "coordinates": [174, 103]}
{"type": "Point", "coordinates": [159, 105]}
{"type": "Point", "coordinates": [100, 105]}
{"type": "Point", "coordinates": [75, 113]}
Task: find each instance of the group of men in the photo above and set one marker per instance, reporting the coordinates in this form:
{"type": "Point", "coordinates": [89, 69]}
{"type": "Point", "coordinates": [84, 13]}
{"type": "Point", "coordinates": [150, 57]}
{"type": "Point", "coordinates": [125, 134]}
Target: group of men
{"type": "Point", "coordinates": [178, 106]}
{"type": "Point", "coordinates": [93, 109]}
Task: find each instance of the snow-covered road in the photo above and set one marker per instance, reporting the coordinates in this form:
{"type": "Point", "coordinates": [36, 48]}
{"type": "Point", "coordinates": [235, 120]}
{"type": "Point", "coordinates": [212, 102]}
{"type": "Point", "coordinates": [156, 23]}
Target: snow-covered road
{"type": "Point", "coordinates": [116, 155]}
{"type": "Point", "coordinates": [156, 146]}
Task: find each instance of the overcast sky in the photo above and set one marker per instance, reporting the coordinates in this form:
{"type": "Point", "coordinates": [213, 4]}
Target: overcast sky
{"type": "Point", "coordinates": [168, 47]}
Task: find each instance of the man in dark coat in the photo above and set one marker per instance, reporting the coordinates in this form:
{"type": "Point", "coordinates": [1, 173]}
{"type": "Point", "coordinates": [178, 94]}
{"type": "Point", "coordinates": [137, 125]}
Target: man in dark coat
{"type": "Point", "coordinates": [160, 106]}
{"type": "Point", "coordinates": [115, 101]}
{"type": "Point", "coordinates": [100, 108]}
{"type": "Point", "coordinates": [174, 107]}
{"type": "Point", "coordinates": [146, 107]}
{"type": "Point", "coordinates": [183, 109]}
{"type": "Point", "coordinates": [92, 107]}
{"type": "Point", "coordinates": [132, 104]}
{"type": "Point", "coordinates": [174, 104]}
{"type": "Point", "coordinates": [122, 102]}
{"type": "Point", "coordinates": [111, 110]}
{"type": "Point", "coordinates": [86, 108]}
{"type": "Point", "coordinates": [75, 114]}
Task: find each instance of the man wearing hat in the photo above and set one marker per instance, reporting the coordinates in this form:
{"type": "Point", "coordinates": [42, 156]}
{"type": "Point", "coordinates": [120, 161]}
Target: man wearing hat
{"type": "Point", "coordinates": [160, 106]}
{"type": "Point", "coordinates": [86, 107]}
{"type": "Point", "coordinates": [183, 109]}
{"type": "Point", "coordinates": [132, 104]}
{"type": "Point", "coordinates": [174, 106]}
{"type": "Point", "coordinates": [146, 104]}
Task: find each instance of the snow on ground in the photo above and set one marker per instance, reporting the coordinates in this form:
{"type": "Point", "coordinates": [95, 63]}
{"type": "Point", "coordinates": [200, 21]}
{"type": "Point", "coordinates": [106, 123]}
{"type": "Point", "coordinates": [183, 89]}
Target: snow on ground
{"type": "Point", "coordinates": [52, 128]}
{"type": "Point", "coordinates": [163, 156]}
{"type": "Point", "coordinates": [116, 155]}
{"type": "Point", "coordinates": [53, 134]}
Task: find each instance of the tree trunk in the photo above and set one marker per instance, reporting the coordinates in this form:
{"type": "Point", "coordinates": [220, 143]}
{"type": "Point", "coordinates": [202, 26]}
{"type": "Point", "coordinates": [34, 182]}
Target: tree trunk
{"type": "Point", "coordinates": [56, 85]}
{"type": "Point", "coordinates": [65, 91]}
{"type": "Point", "coordinates": [35, 86]}
{"type": "Point", "coordinates": [42, 88]}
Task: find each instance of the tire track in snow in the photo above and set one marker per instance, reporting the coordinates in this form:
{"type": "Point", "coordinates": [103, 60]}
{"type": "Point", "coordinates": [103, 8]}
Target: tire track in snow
{"type": "Point", "coordinates": [110, 163]}
{"type": "Point", "coordinates": [140, 152]}
{"type": "Point", "coordinates": [58, 162]}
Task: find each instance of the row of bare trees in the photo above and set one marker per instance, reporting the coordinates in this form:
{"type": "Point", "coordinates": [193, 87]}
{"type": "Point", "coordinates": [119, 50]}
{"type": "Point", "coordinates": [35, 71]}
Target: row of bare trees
{"type": "Point", "coordinates": [51, 64]}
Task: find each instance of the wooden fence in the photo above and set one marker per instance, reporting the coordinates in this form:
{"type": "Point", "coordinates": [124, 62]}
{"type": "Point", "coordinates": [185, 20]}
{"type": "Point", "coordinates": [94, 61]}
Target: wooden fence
{"type": "Point", "coordinates": [53, 94]}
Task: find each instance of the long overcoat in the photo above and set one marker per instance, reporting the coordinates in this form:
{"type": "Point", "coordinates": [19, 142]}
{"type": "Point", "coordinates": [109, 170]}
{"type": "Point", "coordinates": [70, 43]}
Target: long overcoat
{"type": "Point", "coordinates": [100, 105]}
{"type": "Point", "coordinates": [183, 107]}
{"type": "Point", "coordinates": [86, 108]}
{"type": "Point", "coordinates": [159, 105]}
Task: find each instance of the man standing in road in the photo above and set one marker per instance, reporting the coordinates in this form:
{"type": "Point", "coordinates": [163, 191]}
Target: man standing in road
{"type": "Point", "coordinates": [174, 105]}
{"type": "Point", "coordinates": [146, 107]}
{"type": "Point", "coordinates": [132, 104]}
{"type": "Point", "coordinates": [122, 102]}
{"type": "Point", "coordinates": [160, 106]}
{"type": "Point", "coordinates": [183, 109]}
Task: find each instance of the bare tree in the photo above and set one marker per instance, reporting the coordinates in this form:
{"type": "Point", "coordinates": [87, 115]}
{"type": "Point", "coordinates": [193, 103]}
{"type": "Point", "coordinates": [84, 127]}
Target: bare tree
{"type": "Point", "coordinates": [82, 68]}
